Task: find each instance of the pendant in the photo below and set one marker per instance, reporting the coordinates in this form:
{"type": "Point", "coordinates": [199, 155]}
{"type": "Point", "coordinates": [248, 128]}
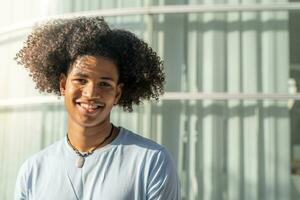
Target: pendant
{"type": "Point", "coordinates": [80, 162]}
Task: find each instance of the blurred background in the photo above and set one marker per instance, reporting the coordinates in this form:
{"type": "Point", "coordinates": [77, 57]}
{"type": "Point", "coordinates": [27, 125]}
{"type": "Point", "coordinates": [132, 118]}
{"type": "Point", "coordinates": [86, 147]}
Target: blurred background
{"type": "Point", "coordinates": [230, 115]}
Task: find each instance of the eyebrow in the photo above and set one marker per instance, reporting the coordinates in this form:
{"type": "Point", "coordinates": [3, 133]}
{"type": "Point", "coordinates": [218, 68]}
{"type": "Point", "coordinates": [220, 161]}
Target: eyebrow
{"type": "Point", "coordinates": [80, 74]}
{"type": "Point", "coordinates": [83, 75]}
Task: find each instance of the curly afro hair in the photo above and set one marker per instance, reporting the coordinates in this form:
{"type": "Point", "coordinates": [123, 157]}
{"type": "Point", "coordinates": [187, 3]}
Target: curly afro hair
{"type": "Point", "coordinates": [54, 46]}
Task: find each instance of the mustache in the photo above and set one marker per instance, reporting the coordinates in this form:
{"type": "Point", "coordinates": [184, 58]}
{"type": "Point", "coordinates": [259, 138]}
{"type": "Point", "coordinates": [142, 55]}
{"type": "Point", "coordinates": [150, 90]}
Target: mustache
{"type": "Point", "coordinates": [94, 100]}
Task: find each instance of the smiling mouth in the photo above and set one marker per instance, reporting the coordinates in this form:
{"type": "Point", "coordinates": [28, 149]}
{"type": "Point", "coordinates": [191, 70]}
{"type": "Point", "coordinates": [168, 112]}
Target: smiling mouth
{"type": "Point", "coordinates": [90, 107]}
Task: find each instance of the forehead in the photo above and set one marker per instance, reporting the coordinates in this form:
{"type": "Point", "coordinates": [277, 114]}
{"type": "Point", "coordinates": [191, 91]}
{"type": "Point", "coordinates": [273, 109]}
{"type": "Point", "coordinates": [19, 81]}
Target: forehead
{"type": "Point", "coordinates": [94, 65]}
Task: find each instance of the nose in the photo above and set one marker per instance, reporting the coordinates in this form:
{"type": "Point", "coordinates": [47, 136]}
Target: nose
{"type": "Point", "coordinates": [89, 91]}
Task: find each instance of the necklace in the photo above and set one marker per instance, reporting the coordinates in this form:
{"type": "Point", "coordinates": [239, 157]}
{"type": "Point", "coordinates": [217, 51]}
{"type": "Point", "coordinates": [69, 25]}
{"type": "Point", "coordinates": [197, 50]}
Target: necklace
{"type": "Point", "coordinates": [81, 157]}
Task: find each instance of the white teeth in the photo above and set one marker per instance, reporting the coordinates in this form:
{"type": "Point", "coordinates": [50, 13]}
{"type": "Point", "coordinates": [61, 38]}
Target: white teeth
{"type": "Point", "coordinates": [88, 106]}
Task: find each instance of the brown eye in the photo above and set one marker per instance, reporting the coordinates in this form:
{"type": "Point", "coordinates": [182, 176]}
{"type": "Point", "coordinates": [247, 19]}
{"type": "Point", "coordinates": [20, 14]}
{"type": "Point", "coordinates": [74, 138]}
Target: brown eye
{"type": "Point", "coordinates": [104, 84]}
{"type": "Point", "coordinates": [80, 81]}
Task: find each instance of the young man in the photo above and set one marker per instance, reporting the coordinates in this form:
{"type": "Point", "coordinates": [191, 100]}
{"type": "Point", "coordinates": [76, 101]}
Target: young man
{"type": "Point", "coordinates": [95, 68]}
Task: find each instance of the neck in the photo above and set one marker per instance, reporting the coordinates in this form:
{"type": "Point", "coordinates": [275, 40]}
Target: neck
{"type": "Point", "coordinates": [86, 138]}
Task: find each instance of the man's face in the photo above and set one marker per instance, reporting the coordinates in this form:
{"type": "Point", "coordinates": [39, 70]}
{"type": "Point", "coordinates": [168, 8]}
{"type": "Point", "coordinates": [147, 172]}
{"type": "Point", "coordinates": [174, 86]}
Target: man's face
{"type": "Point", "coordinates": [91, 89]}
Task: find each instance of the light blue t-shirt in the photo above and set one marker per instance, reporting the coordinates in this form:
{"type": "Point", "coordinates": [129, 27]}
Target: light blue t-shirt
{"type": "Point", "coordinates": [129, 168]}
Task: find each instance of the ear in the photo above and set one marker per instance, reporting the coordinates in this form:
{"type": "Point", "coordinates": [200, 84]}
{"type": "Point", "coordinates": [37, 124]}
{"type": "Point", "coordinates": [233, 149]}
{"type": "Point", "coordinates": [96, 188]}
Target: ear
{"type": "Point", "coordinates": [119, 93]}
{"type": "Point", "coordinates": [62, 84]}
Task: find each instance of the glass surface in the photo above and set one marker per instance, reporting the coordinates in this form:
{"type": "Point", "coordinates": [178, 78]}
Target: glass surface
{"type": "Point", "coordinates": [224, 150]}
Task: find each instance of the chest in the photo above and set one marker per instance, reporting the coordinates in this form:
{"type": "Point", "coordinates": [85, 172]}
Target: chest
{"type": "Point", "coordinates": [107, 178]}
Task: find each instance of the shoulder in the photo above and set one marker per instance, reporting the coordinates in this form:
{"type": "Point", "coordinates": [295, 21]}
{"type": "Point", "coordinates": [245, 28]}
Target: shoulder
{"type": "Point", "coordinates": [26, 171]}
{"type": "Point", "coordinates": [46, 153]}
{"type": "Point", "coordinates": [155, 153]}
{"type": "Point", "coordinates": [136, 140]}
{"type": "Point", "coordinates": [160, 172]}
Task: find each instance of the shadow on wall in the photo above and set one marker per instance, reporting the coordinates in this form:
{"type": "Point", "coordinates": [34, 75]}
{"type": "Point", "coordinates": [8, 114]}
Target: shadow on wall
{"type": "Point", "coordinates": [295, 186]}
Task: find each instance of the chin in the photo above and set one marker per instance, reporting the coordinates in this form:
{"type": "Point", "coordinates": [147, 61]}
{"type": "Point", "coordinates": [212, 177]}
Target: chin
{"type": "Point", "coordinates": [89, 122]}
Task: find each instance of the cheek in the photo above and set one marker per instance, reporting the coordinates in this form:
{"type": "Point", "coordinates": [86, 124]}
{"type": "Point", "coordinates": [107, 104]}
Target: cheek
{"type": "Point", "coordinates": [72, 92]}
{"type": "Point", "coordinates": [106, 92]}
